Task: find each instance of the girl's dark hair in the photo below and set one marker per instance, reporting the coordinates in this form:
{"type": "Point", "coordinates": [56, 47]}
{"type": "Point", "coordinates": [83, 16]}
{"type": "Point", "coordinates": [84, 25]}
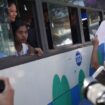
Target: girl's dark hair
{"type": "Point", "coordinates": [10, 2]}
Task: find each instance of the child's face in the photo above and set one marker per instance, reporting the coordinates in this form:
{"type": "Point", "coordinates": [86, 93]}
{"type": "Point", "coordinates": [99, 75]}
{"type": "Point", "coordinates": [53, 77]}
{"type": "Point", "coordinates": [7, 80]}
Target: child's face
{"type": "Point", "coordinates": [22, 34]}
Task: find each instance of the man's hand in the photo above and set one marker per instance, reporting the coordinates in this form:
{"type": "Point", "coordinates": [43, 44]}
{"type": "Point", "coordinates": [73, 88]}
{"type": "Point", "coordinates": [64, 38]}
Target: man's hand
{"type": "Point", "coordinates": [7, 96]}
{"type": "Point", "coordinates": [39, 51]}
{"type": "Point", "coordinates": [95, 42]}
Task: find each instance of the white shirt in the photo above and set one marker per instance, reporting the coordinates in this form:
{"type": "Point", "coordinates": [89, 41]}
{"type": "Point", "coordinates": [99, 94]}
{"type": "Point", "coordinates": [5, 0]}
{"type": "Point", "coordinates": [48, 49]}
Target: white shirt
{"type": "Point", "coordinates": [24, 50]}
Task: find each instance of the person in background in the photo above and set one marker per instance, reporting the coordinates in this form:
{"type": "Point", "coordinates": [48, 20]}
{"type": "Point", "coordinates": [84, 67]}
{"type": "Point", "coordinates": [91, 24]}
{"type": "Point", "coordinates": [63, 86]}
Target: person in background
{"type": "Point", "coordinates": [12, 11]}
{"type": "Point", "coordinates": [11, 17]}
{"type": "Point", "coordinates": [7, 96]}
{"type": "Point", "coordinates": [32, 34]}
{"type": "Point", "coordinates": [20, 33]}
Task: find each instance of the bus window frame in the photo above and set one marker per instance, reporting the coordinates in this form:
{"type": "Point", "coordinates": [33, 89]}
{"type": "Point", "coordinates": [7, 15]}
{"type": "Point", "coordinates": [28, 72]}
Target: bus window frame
{"type": "Point", "coordinates": [80, 23]}
{"type": "Point", "coordinates": [54, 46]}
{"type": "Point", "coordinates": [39, 11]}
{"type": "Point", "coordinates": [62, 47]}
{"type": "Point", "coordinates": [89, 9]}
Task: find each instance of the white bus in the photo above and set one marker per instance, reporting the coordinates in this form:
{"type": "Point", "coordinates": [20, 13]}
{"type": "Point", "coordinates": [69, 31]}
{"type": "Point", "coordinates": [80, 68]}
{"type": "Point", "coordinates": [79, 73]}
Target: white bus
{"type": "Point", "coordinates": [63, 31]}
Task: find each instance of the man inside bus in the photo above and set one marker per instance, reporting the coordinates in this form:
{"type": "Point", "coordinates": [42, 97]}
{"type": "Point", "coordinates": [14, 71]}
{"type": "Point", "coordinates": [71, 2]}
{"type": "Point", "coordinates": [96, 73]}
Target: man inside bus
{"type": "Point", "coordinates": [12, 14]}
{"type": "Point", "coordinates": [7, 96]}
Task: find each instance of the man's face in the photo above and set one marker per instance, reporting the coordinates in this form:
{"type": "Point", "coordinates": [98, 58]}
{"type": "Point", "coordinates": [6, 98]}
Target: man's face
{"type": "Point", "coordinates": [12, 12]}
{"type": "Point", "coordinates": [22, 34]}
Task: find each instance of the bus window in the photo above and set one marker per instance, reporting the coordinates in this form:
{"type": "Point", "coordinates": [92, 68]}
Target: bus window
{"type": "Point", "coordinates": [25, 28]}
{"type": "Point", "coordinates": [84, 19]}
{"type": "Point", "coordinates": [59, 24]}
{"type": "Point", "coordinates": [94, 21]}
{"type": "Point", "coordinates": [6, 42]}
{"type": "Point", "coordinates": [74, 23]}
{"type": "Point", "coordinates": [27, 12]}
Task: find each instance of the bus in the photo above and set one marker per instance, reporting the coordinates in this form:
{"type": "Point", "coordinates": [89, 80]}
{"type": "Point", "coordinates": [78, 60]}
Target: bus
{"type": "Point", "coordinates": [63, 29]}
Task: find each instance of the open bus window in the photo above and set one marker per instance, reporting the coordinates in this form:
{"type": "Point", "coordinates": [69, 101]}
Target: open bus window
{"type": "Point", "coordinates": [6, 42]}
{"type": "Point", "coordinates": [84, 19]}
{"type": "Point", "coordinates": [24, 27]}
{"type": "Point", "coordinates": [27, 13]}
{"type": "Point", "coordinates": [94, 21]}
{"type": "Point", "coordinates": [59, 25]}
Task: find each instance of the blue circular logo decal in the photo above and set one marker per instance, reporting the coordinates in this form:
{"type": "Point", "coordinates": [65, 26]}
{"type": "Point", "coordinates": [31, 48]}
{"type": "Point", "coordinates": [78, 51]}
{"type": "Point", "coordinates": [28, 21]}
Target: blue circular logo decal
{"type": "Point", "coordinates": [78, 58]}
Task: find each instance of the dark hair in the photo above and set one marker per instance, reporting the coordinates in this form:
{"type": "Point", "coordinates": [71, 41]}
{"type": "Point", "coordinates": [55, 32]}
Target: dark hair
{"type": "Point", "coordinates": [16, 25]}
{"type": "Point", "coordinates": [10, 2]}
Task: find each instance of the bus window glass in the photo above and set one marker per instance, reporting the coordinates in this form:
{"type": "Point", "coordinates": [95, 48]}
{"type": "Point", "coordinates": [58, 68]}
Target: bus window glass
{"type": "Point", "coordinates": [94, 21]}
{"type": "Point", "coordinates": [6, 41]}
{"type": "Point", "coordinates": [84, 19]}
{"type": "Point", "coordinates": [60, 25]}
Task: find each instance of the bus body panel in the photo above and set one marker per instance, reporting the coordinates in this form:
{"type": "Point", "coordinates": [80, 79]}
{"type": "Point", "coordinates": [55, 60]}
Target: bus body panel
{"type": "Point", "coordinates": [45, 81]}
